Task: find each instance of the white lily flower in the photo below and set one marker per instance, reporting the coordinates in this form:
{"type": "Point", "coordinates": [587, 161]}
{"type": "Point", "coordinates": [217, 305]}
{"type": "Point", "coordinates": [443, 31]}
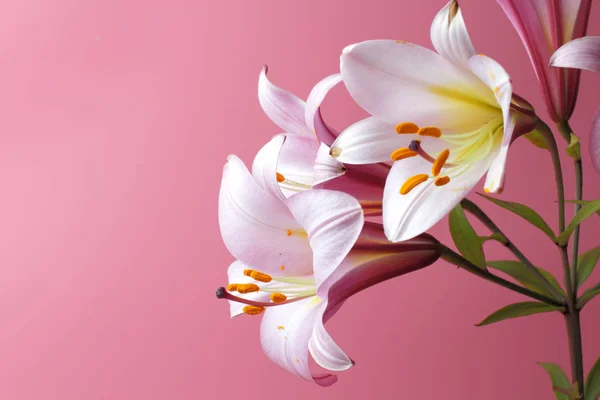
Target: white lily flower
{"type": "Point", "coordinates": [445, 118]}
{"type": "Point", "coordinates": [298, 260]}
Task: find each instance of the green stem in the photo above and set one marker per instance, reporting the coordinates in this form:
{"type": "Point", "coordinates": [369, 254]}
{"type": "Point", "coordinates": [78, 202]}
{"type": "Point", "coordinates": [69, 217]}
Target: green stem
{"type": "Point", "coordinates": [477, 212]}
{"type": "Point", "coordinates": [560, 191]}
{"type": "Point", "coordinates": [574, 333]}
{"type": "Point", "coordinates": [572, 314]}
{"type": "Point", "coordinates": [566, 130]}
{"type": "Point", "coordinates": [454, 258]}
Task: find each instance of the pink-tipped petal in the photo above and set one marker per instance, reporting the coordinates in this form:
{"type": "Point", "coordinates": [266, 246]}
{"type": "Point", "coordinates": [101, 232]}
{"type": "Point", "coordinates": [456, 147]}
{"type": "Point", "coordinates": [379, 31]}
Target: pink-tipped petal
{"type": "Point", "coordinates": [449, 35]}
{"type": "Point", "coordinates": [595, 142]}
{"type": "Point", "coordinates": [257, 228]}
{"type": "Point", "coordinates": [363, 182]}
{"type": "Point", "coordinates": [406, 216]}
{"type": "Point", "coordinates": [283, 108]}
{"type": "Point", "coordinates": [325, 351]}
{"type": "Point", "coordinates": [264, 166]}
{"type": "Point", "coordinates": [324, 133]}
{"type": "Point", "coordinates": [326, 167]}
{"type": "Point", "coordinates": [374, 259]}
{"type": "Point", "coordinates": [316, 97]}
{"type": "Point", "coordinates": [544, 26]}
{"type": "Point", "coordinates": [582, 53]}
{"type": "Point", "coordinates": [333, 221]}
{"type": "Point", "coordinates": [403, 82]}
{"type": "Point", "coordinates": [284, 335]}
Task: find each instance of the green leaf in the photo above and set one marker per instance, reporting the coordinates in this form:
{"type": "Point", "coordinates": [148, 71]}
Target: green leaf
{"type": "Point", "coordinates": [525, 277]}
{"type": "Point", "coordinates": [519, 310]}
{"type": "Point", "coordinates": [573, 150]}
{"type": "Point", "coordinates": [587, 263]}
{"type": "Point", "coordinates": [572, 393]}
{"type": "Point", "coordinates": [592, 382]}
{"type": "Point", "coordinates": [585, 212]}
{"type": "Point", "coordinates": [559, 379]}
{"type": "Point", "coordinates": [465, 238]}
{"type": "Point", "coordinates": [537, 139]}
{"type": "Point", "coordinates": [524, 212]}
{"type": "Point", "coordinates": [494, 236]}
{"type": "Point", "coordinates": [588, 295]}
{"type": "Point", "coordinates": [580, 202]}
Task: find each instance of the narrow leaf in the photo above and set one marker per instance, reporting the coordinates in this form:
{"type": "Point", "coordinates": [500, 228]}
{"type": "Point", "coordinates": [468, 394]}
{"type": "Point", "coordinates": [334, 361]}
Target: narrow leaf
{"type": "Point", "coordinates": [586, 264]}
{"type": "Point", "coordinates": [537, 139]}
{"type": "Point", "coordinates": [465, 238]}
{"type": "Point", "coordinates": [572, 392]}
{"type": "Point", "coordinates": [524, 212]}
{"type": "Point", "coordinates": [494, 236]}
{"type": "Point", "coordinates": [585, 212]}
{"type": "Point", "coordinates": [558, 377]}
{"type": "Point", "coordinates": [573, 150]}
{"type": "Point", "coordinates": [519, 310]}
{"type": "Point", "coordinates": [592, 382]}
{"type": "Point", "coordinates": [581, 202]}
{"type": "Point", "coordinates": [588, 295]}
{"type": "Point", "coordinates": [525, 277]}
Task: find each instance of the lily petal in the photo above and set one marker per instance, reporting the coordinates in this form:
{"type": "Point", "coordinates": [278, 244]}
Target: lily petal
{"type": "Point", "coordinates": [235, 274]}
{"type": "Point", "coordinates": [325, 351]}
{"type": "Point", "coordinates": [449, 35]}
{"type": "Point", "coordinates": [582, 53]}
{"type": "Point", "coordinates": [326, 167]}
{"type": "Point", "coordinates": [283, 108]}
{"type": "Point", "coordinates": [498, 80]}
{"type": "Point", "coordinates": [543, 27]}
{"type": "Point", "coordinates": [316, 97]}
{"type": "Point", "coordinates": [406, 216]}
{"type": "Point", "coordinates": [403, 82]}
{"type": "Point", "coordinates": [374, 257]}
{"type": "Point", "coordinates": [333, 221]}
{"type": "Point", "coordinates": [253, 223]}
{"type": "Point", "coordinates": [296, 162]}
{"type": "Point", "coordinates": [595, 141]}
{"type": "Point", "coordinates": [264, 166]}
{"type": "Point", "coordinates": [369, 141]}
{"type": "Point", "coordinates": [285, 332]}
{"type": "Point", "coordinates": [363, 182]}
{"type": "Point", "coordinates": [324, 133]}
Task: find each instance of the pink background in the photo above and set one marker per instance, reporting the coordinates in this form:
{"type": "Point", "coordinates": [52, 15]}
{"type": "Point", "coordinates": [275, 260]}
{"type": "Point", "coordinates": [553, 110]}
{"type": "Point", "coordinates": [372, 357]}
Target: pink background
{"type": "Point", "coordinates": [117, 117]}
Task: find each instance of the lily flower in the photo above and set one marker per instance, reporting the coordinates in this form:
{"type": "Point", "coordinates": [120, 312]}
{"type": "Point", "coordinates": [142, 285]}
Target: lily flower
{"type": "Point", "coordinates": [544, 26]}
{"type": "Point", "coordinates": [299, 159]}
{"type": "Point", "coordinates": [583, 53]}
{"type": "Point", "coordinates": [445, 118]}
{"type": "Point", "coordinates": [298, 260]}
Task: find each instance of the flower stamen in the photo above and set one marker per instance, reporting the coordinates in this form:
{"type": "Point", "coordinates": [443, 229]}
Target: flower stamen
{"type": "Point", "coordinates": [260, 276]}
{"type": "Point", "coordinates": [244, 288]}
{"type": "Point", "coordinates": [402, 153]}
{"type": "Point", "coordinates": [253, 310]}
{"type": "Point", "coordinates": [430, 131]}
{"type": "Point", "coordinates": [278, 297]}
{"type": "Point", "coordinates": [413, 182]}
{"type": "Point", "coordinates": [439, 162]}
{"type": "Point", "coordinates": [441, 181]}
{"type": "Point", "coordinates": [407, 127]}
